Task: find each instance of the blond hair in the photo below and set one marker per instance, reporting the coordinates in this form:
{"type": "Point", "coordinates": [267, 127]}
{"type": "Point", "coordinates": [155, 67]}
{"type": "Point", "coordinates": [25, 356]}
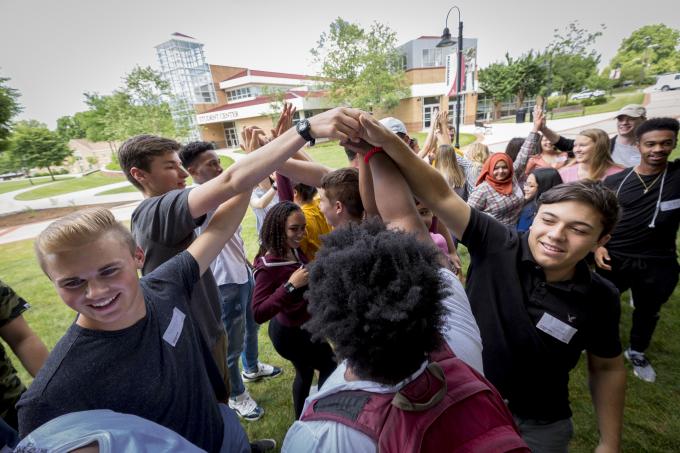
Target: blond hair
{"type": "Point", "coordinates": [78, 228]}
{"type": "Point", "coordinates": [478, 153]}
{"type": "Point", "coordinates": [447, 164]}
{"type": "Point", "coordinates": [601, 159]}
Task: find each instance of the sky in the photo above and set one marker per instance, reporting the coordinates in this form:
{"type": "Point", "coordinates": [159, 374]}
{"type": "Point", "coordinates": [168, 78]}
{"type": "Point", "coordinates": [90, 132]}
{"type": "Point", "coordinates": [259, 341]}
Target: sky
{"type": "Point", "coordinates": [55, 50]}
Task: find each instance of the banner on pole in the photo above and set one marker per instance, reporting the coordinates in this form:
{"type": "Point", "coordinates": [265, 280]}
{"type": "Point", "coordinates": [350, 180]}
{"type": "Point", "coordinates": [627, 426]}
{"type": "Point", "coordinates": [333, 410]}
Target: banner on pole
{"type": "Point", "coordinates": [452, 71]}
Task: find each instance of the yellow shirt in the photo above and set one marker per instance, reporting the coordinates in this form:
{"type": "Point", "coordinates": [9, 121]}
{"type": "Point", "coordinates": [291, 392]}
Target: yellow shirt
{"type": "Point", "coordinates": [316, 226]}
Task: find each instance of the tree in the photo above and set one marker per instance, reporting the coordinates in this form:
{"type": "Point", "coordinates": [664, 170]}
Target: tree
{"type": "Point", "coordinates": [571, 59]}
{"type": "Point", "coordinates": [520, 77]}
{"type": "Point", "coordinates": [528, 75]}
{"type": "Point", "coordinates": [34, 145]}
{"type": "Point", "coordinates": [9, 107]}
{"type": "Point", "coordinates": [69, 127]}
{"type": "Point", "coordinates": [649, 50]}
{"type": "Point", "coordinates": [140, 106]}
{"type": "Point", "coordinates": [362, 67]}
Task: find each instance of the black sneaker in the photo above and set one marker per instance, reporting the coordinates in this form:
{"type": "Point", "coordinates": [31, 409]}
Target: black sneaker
{"type": "Point", "coordinates": [261, 445]}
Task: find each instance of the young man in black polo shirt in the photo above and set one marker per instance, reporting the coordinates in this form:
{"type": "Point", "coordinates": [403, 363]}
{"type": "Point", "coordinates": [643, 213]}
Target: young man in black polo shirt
{"type": "Point", "coordinates": [641, 255]}
{"type": "Point", "coordinates": [536, 302]}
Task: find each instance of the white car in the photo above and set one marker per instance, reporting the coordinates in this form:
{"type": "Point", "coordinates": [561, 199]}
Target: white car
{"type": "Point", "coordinates": [667, 82]}
{"type": "Point", "coordinates": [588, 94]}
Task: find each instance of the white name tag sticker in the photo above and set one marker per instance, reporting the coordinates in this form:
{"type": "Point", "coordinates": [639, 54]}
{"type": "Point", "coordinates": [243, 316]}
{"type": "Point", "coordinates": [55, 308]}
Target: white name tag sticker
{"type": "Point", "coordinates": [556, 328]}
{"type": "Point", "coordinates": [670, 205]}
{"type": "Point", "coordinates": [174, 330]}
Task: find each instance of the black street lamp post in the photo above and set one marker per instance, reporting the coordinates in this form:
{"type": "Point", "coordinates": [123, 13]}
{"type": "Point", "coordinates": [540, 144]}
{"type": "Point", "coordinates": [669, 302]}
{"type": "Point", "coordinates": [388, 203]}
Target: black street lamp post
{"type": "Point", "coordinates": [446, 41]}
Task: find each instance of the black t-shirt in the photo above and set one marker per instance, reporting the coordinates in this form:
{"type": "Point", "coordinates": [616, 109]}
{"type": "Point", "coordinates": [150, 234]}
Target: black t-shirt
{"type": "Point", "coordinates": [632, 236]}
{"type": "Point", "coordinates": [136, 370]}
{"type": "Point", "coordinates": [510, 297]}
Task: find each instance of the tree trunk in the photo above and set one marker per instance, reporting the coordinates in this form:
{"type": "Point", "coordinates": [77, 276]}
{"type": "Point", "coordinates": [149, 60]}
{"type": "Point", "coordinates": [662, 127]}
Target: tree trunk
{"type": "Point", "coordinates": [49, 170]}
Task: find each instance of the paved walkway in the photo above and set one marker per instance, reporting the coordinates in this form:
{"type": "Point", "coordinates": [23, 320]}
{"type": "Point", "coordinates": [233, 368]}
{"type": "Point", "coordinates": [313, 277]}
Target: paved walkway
{"type": "Point", "coordinates": [661, 104]}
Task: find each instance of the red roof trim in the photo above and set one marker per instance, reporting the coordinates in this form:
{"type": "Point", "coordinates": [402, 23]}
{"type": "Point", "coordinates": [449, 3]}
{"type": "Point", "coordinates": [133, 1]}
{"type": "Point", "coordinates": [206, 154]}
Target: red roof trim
{"type": "Point", "coordinates": [182, 35]}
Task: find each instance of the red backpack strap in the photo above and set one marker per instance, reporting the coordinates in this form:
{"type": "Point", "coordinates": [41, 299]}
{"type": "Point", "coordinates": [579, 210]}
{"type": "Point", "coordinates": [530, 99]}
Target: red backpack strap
{"type": "Point", "coordinates": [358, 409]}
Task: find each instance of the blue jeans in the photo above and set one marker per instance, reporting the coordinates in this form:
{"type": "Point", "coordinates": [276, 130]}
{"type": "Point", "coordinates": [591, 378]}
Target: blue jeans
{"type": "Point", "coordinates": [236, 309]}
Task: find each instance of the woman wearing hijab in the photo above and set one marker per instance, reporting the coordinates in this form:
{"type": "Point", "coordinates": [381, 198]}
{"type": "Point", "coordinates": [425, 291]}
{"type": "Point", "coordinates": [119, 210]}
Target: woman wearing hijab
{"type": "Point", "coordinates": [498, 193]}
{"type": "Point", "coordinates": [540, 180]}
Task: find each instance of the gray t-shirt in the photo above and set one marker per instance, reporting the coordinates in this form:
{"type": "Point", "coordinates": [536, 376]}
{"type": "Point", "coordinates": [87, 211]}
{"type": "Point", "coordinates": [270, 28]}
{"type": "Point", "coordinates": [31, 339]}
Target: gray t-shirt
{"type": "Point", "coordinates": [626, 155]}
{"type": "Point", "coordinates": [163, 227]}
{"type": "Point", "coordinates": [137, 370]}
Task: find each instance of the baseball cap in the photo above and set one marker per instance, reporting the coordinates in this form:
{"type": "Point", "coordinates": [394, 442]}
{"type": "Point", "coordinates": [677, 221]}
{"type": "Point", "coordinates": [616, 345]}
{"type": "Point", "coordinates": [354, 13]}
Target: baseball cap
{"type": "Point", "coordinates": [394, 125]}
{"type": "Point", "coordinates": [632, 110]}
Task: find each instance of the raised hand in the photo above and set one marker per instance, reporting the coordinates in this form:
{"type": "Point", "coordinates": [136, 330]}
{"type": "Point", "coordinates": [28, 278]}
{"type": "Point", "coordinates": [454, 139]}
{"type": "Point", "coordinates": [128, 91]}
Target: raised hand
{"type": "Point", "coordinates": [285, 120]}
{"type": "Point", "coordinates": [252, 138]}
{"type": "Point", "coordinates": [373, 132]}
{"type": "Point", "coordinates": [341, 123]}
{"type": "Point", "coordinates": [539, 118]}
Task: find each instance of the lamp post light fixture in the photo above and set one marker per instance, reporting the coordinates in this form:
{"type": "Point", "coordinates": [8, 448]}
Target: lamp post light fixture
{"type": "Point", "coordinates": [446, 41]}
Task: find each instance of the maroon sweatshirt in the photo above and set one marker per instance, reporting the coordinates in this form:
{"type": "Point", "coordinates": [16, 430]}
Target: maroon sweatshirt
{"type": "Point", "coordinates": [271, 299]}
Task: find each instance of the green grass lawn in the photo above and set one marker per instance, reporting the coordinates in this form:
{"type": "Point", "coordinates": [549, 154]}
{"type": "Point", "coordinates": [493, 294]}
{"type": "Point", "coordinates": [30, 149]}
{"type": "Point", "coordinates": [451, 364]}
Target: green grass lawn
{"type": "Point", "coordinates": [652, 423]}
{"type": "Point", "coordinates": [71, 185]}
{"type": "Point", "coordinates": [17, 184]}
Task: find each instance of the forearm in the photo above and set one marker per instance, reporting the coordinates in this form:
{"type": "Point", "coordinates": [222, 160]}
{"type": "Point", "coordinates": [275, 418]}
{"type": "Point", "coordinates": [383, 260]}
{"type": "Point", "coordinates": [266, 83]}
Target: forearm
{"type": "Point", "coordinates": [221, 228]}
{"type": "Point", "coordinates": [394, 198]}
{"type": "Point", "coordinates": [429, 186]}
{"type": "Point", "coordinates": [245, 173]}
{"type": "Point", "coordinates": [550, 134]}
{"type": "Point", "coordinates": [284, 187]}
{"type": "Point", "coordinates": [607, 389]}
{"type": "Point", "coordinates": [309, 173]}
{"type": "Point", "coordinates": [528, 148]}
{"type": "Point", "coordinates": [366, 189]}
{"type": "Point", "coordinates": [32, 353]}
{"type": "Point", "coordinates": [265, 199]}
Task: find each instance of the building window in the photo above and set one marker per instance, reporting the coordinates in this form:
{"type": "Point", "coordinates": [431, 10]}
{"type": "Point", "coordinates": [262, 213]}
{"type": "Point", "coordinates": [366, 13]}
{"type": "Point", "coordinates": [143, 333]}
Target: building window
{"type": "Point", "coordinates": [432, 58]}
{"type": "Point", "coordinates": [430, 106]}
{"type": "Point", "coordinates": [230, 134]}
{"type": "Point", "coordinates": [242, 93]}
{"type": "Point", "coordinates": [452, 110]}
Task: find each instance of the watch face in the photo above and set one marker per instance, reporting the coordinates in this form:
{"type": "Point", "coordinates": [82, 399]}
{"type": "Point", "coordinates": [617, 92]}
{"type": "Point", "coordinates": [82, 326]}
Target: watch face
{"type": "Point", "coordinates": [303, 125]}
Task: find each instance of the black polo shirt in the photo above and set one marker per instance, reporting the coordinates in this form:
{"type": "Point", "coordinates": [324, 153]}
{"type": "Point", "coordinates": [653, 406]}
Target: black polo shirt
{"type": "Point", "coordinates": [510, 297]}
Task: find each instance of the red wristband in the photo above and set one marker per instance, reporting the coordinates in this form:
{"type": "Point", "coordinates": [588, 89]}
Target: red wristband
{"type": "Point", "coordinates": [374, 150]}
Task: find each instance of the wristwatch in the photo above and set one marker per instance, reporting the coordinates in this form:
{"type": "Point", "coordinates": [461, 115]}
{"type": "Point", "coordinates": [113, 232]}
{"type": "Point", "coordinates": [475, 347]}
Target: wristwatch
{"type": "Point", "coordinates": [305, 130]}
{"type": "Point", "coordinates": [289, 287]}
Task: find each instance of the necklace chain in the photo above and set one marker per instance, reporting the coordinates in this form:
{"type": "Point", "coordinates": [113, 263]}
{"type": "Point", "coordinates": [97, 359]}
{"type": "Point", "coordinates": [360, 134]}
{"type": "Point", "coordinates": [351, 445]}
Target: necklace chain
{"type": "Point", "coordinates": [647, 188]}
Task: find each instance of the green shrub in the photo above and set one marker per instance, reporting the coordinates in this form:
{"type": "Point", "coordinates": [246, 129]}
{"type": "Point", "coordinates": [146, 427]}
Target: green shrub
{"type": "Point", "coordinates": [594, 101]}
{"type": "Point", "coordinates": [56, 171]}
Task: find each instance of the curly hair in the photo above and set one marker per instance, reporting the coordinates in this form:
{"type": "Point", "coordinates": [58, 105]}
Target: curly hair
{"type": "Point", "coordinates": [375, 294]}
{"type": "Point", "coordinates": [273, 232]}
{"type": "Point", "coordinates": [658, 124]}
{"type": "Point", "coordinates": [190, 152]}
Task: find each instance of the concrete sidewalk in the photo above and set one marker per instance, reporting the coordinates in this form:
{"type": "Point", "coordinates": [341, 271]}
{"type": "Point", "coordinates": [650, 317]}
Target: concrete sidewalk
{"type": "Point", "coordinates": [31, 230]}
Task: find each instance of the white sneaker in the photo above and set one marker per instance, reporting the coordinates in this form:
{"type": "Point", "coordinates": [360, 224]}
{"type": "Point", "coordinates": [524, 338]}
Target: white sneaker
{"type": "Point", "coordinates": [641, 366]}
{"type": "Point", "coordinates": [264, 370]}
{"type": "Point", "coordinates": [246, 407]}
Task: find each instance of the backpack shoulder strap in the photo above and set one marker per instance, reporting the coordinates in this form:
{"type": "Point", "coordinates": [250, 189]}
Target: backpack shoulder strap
{"type": "Point", "coordinates": [358, 409]}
